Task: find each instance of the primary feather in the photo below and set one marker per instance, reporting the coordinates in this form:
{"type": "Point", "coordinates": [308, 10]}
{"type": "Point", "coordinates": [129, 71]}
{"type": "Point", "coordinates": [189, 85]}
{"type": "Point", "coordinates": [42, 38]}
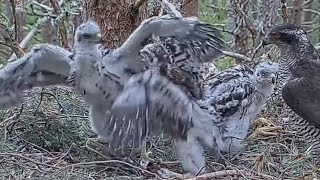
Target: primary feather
{"type": "Point", "coordinates": [100, 76]}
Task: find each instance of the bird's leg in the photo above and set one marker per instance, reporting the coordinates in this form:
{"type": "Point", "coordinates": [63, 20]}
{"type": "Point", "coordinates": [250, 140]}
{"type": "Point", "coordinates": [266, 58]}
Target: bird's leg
{"type": "Point", "coordinates": [265, 127]}
{"type": "Point", "coordinates": [144, 156]}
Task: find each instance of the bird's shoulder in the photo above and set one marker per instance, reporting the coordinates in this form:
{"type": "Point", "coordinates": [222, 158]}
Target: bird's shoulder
{"type": "Point", "coordinates": [183, 78]}
{"type": "Point", "coordinates": [228, 90]}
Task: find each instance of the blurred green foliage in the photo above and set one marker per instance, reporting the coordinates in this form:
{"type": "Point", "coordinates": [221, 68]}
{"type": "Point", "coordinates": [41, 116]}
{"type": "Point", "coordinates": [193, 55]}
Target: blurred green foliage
{"type": "Point", "coordinates": [218, 18]}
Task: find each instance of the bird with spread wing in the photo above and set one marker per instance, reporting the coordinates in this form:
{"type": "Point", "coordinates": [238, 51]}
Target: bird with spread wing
{"type": "Point", "coordinates": [299, 80]}
{"type": "Point", "coordinates": [100, 76]}
{"type": "Point", "coordinates": [168, 91]}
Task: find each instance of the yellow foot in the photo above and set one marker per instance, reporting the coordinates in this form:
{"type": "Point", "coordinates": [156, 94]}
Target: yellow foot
{"type": "Point", "coordinates": [145, 159]}
{"type": "Point", "coordinates": [264, 127]}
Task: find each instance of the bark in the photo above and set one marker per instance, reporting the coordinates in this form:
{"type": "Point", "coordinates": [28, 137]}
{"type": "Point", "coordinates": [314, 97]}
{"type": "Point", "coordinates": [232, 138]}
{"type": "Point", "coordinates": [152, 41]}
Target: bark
{"type": "Point", "coordinates": [190, 8]}
{"type": "Point", "coordinates": [50, 32]}
{"type": "Point", "coordinates": [21, 22]}
{"type": "Point", "coordinates": [238, 13]}
{"type": "Point", "coordinates": [115, 18]}
{"type": "Point", "coordinates": [268, 16]}
{"type": "Point", "coordinates": [118, 20]}
{"type": "Point", "coordinates": [297, 12]}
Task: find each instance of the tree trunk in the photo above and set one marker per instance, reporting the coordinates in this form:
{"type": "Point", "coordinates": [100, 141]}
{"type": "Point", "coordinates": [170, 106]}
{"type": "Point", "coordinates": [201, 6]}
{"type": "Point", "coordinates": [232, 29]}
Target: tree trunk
{"type": "Point", "coordinates": [297, 12]}
{"type": "Point", "coordinates": [115, 17]}
{"type": "Point", "coordinates": [118, 19]}
{"type": "Point", "coordinates": [238, 10]}
{"type": "Point", "coordinates": [190, 8]}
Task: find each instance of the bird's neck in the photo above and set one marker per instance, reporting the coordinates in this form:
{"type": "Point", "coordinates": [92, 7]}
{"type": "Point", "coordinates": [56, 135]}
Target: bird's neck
{"type": "Point", "coordinates": [87, 47]}
{"type": "Point", "coordinates": [293, 53]}
{"type": "Point", "coordinates": [264, 87]}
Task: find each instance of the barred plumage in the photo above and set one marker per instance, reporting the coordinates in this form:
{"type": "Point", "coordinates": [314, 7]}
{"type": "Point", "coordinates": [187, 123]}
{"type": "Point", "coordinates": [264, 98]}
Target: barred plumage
{"type": "Point", "coordinates": [300, 91]}
{"type": "Point", "coordinates": [170, 112]}
{"type": "Point", "coordinates": [94, 77]}
{"type": "Point", "coordinates": [238, 94]}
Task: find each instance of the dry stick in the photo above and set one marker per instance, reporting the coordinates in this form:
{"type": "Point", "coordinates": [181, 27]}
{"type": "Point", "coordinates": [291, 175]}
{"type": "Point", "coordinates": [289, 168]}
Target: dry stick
{"type": "Point", "coordinates": [29, 36]}
{"type": "Point", "coordinates": [236, 55]}
{"type": "Point", "coordinates": [62, 27]}
{"type": "Point", "coordinates": [28, 159]}
{"type": "Point", "coordinates": [40, 23]}
{"type": "Point", "coordinates": [220, 174]}
{"type": "Point", "coordinates": [109, 161]}
{"type": "Point", "coordinates": [7, 171]}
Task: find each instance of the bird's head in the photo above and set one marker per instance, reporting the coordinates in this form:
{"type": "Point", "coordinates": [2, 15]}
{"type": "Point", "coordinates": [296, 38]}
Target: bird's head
{"type": "Point", "coordinates": [88, 32]}
{"type": "Point", "coordinates": [267, 71]}
{"type": "Point", "coordinates": [155, 53]}
{"type": "Point", "coordinates": [286, 35]}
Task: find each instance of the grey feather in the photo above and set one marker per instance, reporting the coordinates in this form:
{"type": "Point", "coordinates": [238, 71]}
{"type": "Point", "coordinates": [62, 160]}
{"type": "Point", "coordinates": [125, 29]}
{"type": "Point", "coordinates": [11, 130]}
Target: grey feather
{"type": "Point", "coordinates": [45, 65]}
{"type": "Point", "coordinates": [299, 80]}
{"type": "Point", "coordinates": [120, 64]}
{"type": "Point", "coordinates": [238, 95]}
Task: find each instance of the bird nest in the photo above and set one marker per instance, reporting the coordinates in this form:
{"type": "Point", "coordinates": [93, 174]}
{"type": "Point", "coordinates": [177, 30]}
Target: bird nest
{"type": "Point", "coordinates": [48, 138]}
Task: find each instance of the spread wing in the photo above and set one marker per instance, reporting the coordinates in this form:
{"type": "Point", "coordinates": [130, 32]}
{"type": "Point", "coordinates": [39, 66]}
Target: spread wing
{"type": "Point", "coordinates": [170, 110]}
{"type": "Point", "coordinates": [303, 98]}
{"type": "Point", "coordinates": [229, 91]}
{"type": "Point", "coordinates": [45, 65]}
{"type": "Point", "coordinates": [203, 41]}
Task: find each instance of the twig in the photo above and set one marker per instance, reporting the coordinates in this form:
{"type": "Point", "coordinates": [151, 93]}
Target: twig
{"type": "Point", "coordinates": [42, 6]}
{"type": "Point", "coordinates": [236, 55]}
{"type": "Point", "coordinates": [110, 161]}
{"type": "Point", "coordinates": [137, 5]}
{"type": "Point", "coordinates": [28, 159]}
{"type": "Point", "coordinates": [62, 27]}
{"type": "Point", "coordinates": [40, 23]}
{"type": "Point", "coordinates": [29, 36]}
{"type": "Point", "coordinates": [312, 11]}
{"type": "Point", "coordinates": [172, 8]}
{"type": "Point", "coordinates": [217, 7]}
{"type": "Point", "coordinates": [220, 174]}
{"type": "Point", "coordinates": [14, 15]}
{"type": "Point", "coordinates": [7, 170]}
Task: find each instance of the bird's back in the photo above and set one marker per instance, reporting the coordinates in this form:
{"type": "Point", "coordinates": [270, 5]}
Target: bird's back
{"type": "Point", "coordinates": [226, 91]}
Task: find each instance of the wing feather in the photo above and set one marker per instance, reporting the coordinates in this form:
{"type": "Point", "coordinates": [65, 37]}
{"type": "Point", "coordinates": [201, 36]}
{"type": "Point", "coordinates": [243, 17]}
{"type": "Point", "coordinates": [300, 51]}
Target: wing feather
{"type": "Point", "coordinates": [168, 106]}
{"type": "Point", "coordinates": [45, 65]}
{"type": "Point", "coordinates": [227, 91]}
{"type": "Point", "coordinates": [202, 40]}
{"type": "Point", "coordinates": [304, 99]}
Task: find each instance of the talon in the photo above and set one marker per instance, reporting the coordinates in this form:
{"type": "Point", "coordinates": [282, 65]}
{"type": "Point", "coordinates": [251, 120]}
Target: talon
{"type": "Point", "coordinates": [144, 156]}
{"type": "Point", "coordinates": [145, 159]}
{"type": "Point", "coordinates": [264, 127]}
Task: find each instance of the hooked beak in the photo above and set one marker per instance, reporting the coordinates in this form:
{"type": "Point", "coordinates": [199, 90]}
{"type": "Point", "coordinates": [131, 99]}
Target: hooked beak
{"type": "Point", "coordinates": [266, 41]}
{"type": "Point", "coordinates": [99, 38]}
{"type": "Point", "coordinates": [273, 78]}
